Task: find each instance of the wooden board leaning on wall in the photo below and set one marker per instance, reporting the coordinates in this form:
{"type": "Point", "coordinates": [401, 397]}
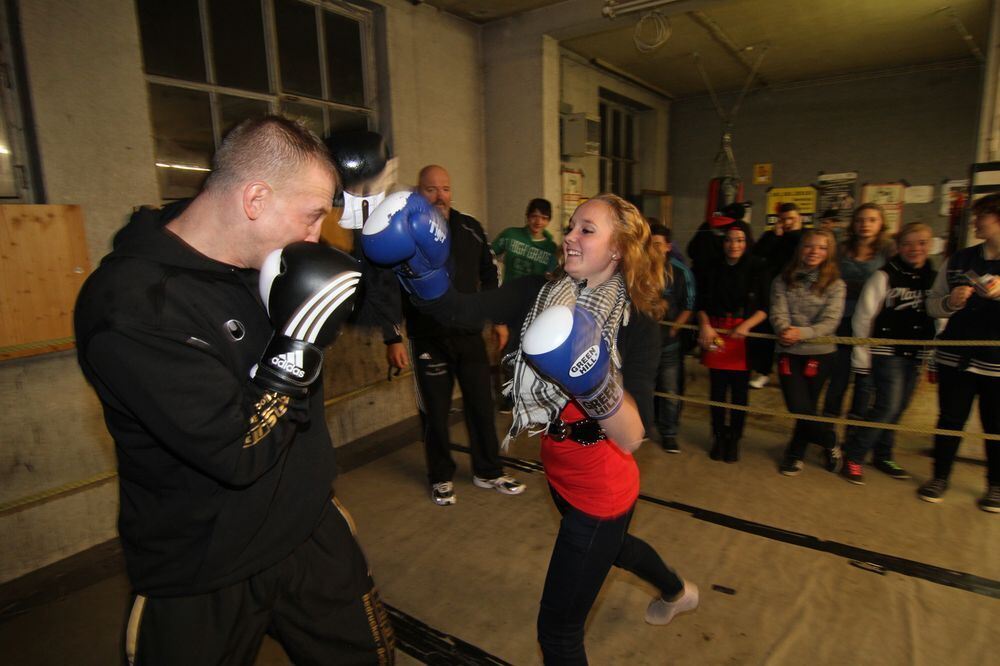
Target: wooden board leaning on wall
{"type": "Point", "coordinates": [43, 263]}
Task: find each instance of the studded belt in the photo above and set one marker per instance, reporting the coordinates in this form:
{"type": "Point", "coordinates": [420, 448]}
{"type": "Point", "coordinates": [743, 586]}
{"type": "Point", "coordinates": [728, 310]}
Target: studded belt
{"type": "Point", "coordinates": [585, 432]}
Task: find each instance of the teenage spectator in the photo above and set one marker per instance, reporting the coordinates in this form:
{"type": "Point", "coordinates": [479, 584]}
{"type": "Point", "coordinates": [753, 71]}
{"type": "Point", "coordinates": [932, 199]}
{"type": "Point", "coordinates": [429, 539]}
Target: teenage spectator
{"type": "Point", "coordinates": [828, 221]}
{"type": "Point", "coordinates": [443, 354]}
{"type": "Point", "coordinates": [777, 249]}
{"type": "Point", "coordinates": [678, 292]}
{"type": "Point", "coordinates": [675, 252]}
{"type": "Point", "coordinates": [732, 294]}
{"type": "Point", "coordinates": [967, 292]}
{"type": "Point", "coordinates": [528, 249]}
{"type": "Point", "coordinates": [806, 302]}
{"type": "Point", "coordinates": [705, 247]}
{"type": "Point", "coordinates": [865, 250]}
{"type": "Point", "coordinates": [892, 305]}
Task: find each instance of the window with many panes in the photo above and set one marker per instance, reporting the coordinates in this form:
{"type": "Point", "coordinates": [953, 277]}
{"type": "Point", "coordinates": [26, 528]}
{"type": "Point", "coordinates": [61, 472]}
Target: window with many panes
{"type": "Point", "coordinates": [19, 181]}
{"type": "Point", "coordinates": [212, 63]}
{"type": "Point", "coordinates": [619, 137]}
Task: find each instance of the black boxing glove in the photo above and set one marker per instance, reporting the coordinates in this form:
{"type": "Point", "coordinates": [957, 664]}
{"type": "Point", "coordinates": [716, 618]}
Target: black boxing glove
{"type": "Point", "coordinates": [363, 163]}
{"type": "Point", "coordinates": [309, 290]}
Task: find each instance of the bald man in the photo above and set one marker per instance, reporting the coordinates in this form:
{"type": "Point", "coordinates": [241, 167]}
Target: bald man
{"type": "Point", "coordinates": [441, 355]}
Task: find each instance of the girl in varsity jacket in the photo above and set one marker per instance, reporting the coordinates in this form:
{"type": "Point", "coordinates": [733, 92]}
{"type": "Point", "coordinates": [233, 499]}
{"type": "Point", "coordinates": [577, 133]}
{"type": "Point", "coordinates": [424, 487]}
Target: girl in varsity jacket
{"type": "Point", "coordinates": [891, 305]}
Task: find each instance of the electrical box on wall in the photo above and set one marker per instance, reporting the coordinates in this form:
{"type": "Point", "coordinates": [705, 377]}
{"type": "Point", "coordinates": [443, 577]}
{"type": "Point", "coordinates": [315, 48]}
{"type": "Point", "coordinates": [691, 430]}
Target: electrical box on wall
{"type": "Point", "coordinates": [581, 135]}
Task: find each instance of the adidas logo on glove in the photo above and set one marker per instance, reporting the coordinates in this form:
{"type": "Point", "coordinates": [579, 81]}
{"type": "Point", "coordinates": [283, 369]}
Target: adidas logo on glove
{"type": "Point", "coordinates": [289, 362]}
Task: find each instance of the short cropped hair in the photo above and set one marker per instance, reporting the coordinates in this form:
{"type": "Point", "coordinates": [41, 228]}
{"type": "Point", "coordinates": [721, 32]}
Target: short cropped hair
{"type": "Point", "coordinates": [788, 208]}
{"type": "Point", "coordinates": [661, 230]}
{"type": "Point", "coordinates": [912, 228]}
{"type": "Point", "coordinates": [542, 206]}
{"type": "Point", "coordinates": [990, 204]}
{"type": "Point", "coordinates": [270, 148]}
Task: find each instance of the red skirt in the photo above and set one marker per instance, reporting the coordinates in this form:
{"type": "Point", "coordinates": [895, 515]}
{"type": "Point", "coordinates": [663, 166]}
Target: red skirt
{"type": "Point", "coordinates": [731, 354]}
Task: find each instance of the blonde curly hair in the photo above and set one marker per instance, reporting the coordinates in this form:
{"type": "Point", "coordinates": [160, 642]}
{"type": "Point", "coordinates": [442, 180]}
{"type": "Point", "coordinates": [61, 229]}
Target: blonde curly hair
{"type": "Point", "coordinates": [639, 264]}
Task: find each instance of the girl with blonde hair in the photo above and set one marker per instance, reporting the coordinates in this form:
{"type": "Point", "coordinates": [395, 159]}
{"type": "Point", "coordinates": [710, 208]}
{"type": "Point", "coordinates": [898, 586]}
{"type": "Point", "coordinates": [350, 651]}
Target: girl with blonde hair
{"type": "Point", "coordinates": [807, 301]}
{"type": "Point", "coordinates": [583, 372]}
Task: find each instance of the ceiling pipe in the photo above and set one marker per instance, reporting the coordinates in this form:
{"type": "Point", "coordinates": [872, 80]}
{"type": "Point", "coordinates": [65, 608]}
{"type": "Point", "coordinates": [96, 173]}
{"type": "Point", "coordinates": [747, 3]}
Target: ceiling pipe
{"type": "Point", "coordinates": [960, 28]}
{"type": "Point", "coordinates": [613, 9]}
{"type": "Point", "coordinates": [713, 28]}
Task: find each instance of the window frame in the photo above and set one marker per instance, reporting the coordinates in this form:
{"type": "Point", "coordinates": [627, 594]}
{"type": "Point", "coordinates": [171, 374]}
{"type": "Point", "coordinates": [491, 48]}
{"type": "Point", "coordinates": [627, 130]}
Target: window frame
{"type": "Point", "coordinates": [610, 159]}
{"type": "Point", "coordinates": [276, 99]}
{"type": "Point", "coordinates": [16, 113]}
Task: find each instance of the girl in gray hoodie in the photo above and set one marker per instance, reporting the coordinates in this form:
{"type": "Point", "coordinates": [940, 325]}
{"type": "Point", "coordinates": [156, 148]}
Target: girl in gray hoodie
{"type": "Point", "coordinates": [807, 301]}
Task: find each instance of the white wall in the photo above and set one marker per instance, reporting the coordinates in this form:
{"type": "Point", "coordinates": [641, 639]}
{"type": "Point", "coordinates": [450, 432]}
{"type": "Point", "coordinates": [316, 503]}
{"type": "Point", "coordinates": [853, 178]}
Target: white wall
{"type": "Point", "coordinates": [88, 93]}
{"type": "Point", "coordinates": [988, 146]}
{"type": "Point", "coordinates": [435, 72]}
{"type": "Point", "coordinates": [581, 85]}
{"type": "Point", "coordinates": [91, 119]}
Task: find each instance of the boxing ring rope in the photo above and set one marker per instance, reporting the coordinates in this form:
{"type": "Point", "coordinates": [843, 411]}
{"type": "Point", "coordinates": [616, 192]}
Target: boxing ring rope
{"type": "Point", "coordinates": [12, 506]}
{"type": "Point", "coordinates": [851, 340]}
{"type": "Point", "coordinates": [836, 420]}
{"type": "Point", "coordinates": [100, 478]}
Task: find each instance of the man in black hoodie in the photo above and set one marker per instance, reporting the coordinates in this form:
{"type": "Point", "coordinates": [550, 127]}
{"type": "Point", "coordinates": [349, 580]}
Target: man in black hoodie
{"type": "Point", "coordinates": [227, 516]}
{"type": "Point", "coordinates": [442, 354]}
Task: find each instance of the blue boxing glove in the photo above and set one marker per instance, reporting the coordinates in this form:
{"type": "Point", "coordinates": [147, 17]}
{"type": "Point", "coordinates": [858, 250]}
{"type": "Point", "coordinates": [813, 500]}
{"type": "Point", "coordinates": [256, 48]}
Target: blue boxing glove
{"type": "Point", "coordinates": [565, 345]}
{"type": "Point", "coordinates": [410, 235]}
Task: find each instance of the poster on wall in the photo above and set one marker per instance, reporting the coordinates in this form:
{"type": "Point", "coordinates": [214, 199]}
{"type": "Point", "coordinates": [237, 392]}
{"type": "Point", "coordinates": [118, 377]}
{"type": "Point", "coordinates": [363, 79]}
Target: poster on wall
{"type": "Point", "coordinates": [891, 197]}
{"type": "Point", "coordinates": [950, 189]}
{"type": "Point", "coordinates": [572, 193]}
{"type": "Point", "coordinates": [918, 194]}
{"type": "Point", "coordinates": [836, 192]}
{"type": "Point", "coordinates": [804, 197]}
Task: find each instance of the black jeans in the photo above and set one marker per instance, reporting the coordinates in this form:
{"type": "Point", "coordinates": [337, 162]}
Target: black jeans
{"type": "Point", "coordinates": [840, 374]}
{"type": "Point", "coordinates": [437, 362]}
{"type": "Point", "coordinates": [801, 397]}
{"type": "Point", "coordinates": [735, 383]}
{"type": "Point", "coordinates": [956, 391]}
{"type": "Point", "coordinates": [585, 550]}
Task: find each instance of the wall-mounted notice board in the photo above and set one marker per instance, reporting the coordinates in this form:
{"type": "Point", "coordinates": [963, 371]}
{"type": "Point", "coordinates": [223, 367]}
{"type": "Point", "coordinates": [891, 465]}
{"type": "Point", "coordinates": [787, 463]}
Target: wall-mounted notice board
{"type": "Point", "coordinates": [43, 263]}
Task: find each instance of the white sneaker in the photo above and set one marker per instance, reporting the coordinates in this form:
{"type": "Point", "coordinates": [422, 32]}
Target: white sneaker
{"type": "Point", "coordinates": [443, 493]}
{"type": "Point", "coordinates": [760, 381]}
{"type": "Point", "coordinates": [661, 612]}
{"type": "Point", "coordinates": [507, 485]}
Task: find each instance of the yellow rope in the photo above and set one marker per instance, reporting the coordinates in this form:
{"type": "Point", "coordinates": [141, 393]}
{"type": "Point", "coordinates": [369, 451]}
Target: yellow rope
{"type": "Point", "coordinates": [826, 419]}
{"type": "Point", "coordinates": [851, 340]}
{"type": "Point", "coordinates": [8, 507]}
{"type": "Point", "coordinates": [10, 349]}
{"type": "Point", "coordinates": [102, 477]}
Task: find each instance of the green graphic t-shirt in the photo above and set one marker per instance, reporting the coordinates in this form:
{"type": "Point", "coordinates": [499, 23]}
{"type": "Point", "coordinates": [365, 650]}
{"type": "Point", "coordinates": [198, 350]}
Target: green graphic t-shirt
{"type": "Point", "coordinates": [523, 255]}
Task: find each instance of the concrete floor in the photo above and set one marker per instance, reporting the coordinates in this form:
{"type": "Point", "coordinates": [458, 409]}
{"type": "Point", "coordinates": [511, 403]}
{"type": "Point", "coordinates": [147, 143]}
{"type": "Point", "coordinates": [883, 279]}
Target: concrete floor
{"type": "Point", "coordinates": [475, 570]}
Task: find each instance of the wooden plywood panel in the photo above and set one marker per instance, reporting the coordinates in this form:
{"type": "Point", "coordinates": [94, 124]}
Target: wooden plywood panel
{"type": "Point", "coordinates": [43, 263]}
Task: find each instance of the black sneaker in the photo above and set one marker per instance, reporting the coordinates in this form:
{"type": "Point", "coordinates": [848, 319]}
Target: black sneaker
{"type": "Point", "coordinates": [891, 468]}
{"type": "Point", "coordinates": [790, 466]}
{"type": "Point", "coordinates": [852, 472]}
{"type": "Point", "coordinates": [991, 500]}
{"type": "Point", "coordinates": [933, 491]}
{"type": "Point", "coordinates": [832, 459]}
{"type": "Point", "coordinates": [670, 444]}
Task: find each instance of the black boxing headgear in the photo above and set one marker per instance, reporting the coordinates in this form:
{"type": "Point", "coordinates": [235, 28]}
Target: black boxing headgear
{"type": "Point", "coordinates": [359, 155]}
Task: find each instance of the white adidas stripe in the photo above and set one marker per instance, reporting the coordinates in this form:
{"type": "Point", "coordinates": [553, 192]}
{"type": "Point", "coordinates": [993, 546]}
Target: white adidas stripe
{"type": "Point", "coordinates": [351, 277]}
{"type": "Point", "coordinates": [314, 323]}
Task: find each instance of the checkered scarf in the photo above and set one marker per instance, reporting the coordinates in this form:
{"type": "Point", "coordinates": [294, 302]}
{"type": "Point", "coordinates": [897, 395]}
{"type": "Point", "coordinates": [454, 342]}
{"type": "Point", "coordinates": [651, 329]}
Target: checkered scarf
{"type": "Point", "coordinates": [537, 401]}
